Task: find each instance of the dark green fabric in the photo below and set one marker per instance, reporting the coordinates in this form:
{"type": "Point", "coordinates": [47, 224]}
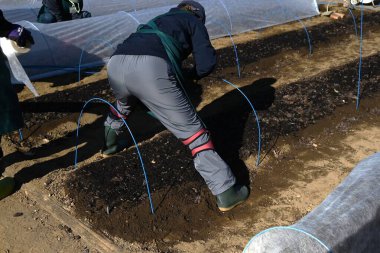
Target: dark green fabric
{"type": "Point", "coordinates": [171, 45]}
{"type": "Point", "coordinates": [40, 12]}
{"type": "Point", "coordinates": [10, 112]}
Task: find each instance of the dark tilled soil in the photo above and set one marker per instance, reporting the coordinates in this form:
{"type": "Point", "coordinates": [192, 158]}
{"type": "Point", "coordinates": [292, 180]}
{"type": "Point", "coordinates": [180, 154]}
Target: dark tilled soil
{"type": "Point", "coordinates": [302, 103]}
{"type": "Point", "coordinates": [112, 194]}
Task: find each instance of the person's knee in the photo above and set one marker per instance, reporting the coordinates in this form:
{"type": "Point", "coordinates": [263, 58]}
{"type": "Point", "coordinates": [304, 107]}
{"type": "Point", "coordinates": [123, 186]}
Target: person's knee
{"type": "Point", "coordinates": [46, 18]}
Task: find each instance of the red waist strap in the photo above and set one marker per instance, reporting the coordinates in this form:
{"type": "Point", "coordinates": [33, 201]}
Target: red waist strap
{"type": "Point", "coordinates": [207, 146]}
{"type": "Point", "coordinates": [193, 137]}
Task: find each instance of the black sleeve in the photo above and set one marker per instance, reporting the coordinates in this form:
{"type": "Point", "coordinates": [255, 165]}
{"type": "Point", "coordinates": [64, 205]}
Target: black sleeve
{"type": "Point", "coordinates": [5, 26]}
{"type": "Point", "coordinates": [56, 8]}
{"type": "Point", "coordinates": [203, 52]}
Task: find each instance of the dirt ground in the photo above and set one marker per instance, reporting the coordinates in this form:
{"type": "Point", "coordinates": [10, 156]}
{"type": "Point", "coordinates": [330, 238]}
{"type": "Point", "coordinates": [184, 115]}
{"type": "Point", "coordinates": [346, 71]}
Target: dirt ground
{"type": "Point", "coordinates": [312, 137]}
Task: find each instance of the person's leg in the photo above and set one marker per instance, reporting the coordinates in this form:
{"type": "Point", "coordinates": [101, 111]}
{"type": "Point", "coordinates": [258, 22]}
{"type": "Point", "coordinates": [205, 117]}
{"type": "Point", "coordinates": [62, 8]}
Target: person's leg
{"type": "Point", "coordinates": [154, 84]}
{"type": "Point", "coordinates": [7, 184]}
{"type": "Point", "coordinates": [10, 111]}
{"type": "Point", "coordinates": [11, 118]}
{"type": "Point", "coordinates": [114, 125]}
{"type": "Point", "coordinates": [46, 17]}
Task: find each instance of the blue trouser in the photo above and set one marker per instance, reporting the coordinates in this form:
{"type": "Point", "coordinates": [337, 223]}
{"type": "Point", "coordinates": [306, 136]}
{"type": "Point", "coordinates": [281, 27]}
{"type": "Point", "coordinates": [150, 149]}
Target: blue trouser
{"type": "Point", "coordinates": [150, 79]}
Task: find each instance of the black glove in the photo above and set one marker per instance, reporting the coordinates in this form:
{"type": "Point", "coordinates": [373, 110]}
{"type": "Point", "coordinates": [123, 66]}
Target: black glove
{"type": "Point", "coordinates": [20, 35]}
{"type": "Point", "coordinates": [82, 14]}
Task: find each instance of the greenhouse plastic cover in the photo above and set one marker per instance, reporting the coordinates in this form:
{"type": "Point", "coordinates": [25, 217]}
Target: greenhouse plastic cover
{"type": "Point", "coordinates": [65, 46]}
{"type": "Point", "coordinates": [348, 220]}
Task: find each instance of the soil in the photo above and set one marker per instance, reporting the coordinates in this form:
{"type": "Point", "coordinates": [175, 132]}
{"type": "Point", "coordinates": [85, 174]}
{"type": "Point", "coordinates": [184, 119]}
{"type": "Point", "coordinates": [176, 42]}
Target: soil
{"type": "Point", "coordinates": [311, 135]}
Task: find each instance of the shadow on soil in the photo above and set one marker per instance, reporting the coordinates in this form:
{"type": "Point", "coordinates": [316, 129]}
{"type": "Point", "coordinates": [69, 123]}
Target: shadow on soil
{"type": "Point", "coordinates": [88, 146]}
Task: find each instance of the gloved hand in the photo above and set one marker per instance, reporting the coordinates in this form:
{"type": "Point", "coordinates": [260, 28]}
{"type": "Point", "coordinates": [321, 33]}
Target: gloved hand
{"type": "Point", "coordinates": [20, 35]}
{"type": "Point", "coordinates": [82, 14]}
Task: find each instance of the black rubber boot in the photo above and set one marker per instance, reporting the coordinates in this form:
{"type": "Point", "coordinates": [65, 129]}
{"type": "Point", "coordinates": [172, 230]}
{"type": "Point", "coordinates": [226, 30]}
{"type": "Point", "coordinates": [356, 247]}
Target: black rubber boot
{"type": "Point", "coordinates": [111, 143]}
{"type": "Point", "coordinates": [234, 196]}
{"type": "Point", "coordinates": [7, 186]}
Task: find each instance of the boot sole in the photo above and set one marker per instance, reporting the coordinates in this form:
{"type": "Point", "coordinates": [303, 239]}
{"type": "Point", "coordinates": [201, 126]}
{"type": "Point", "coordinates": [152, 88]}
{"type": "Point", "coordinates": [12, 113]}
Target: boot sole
{"type": "Point", "coordinates": [106, 156]}
{"type": "Point", "coordinates": [225, 209]}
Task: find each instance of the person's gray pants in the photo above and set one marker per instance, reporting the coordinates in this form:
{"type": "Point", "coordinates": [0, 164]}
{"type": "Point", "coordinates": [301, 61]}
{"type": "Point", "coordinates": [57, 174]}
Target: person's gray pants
{"type": "Point", "coordinates": [151, 80]}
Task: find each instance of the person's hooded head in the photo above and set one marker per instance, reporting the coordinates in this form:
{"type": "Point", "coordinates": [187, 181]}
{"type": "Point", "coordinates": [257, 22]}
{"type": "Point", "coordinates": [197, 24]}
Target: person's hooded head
{"type": "Point", "coordinates": [196, 8]}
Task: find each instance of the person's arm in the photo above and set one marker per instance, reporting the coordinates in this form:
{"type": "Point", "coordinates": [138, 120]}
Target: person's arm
{"type": "Point", "coordinates": [203, 52]}
{"type": "Point", "coordinates": [14, 32]}
{"type": "Point", "coordinates": [5, 26]}
{"type": "Point", "coordinates": [55, 7]}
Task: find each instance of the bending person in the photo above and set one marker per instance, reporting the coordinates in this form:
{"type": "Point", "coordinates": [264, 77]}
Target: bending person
{"type": "Point", "coordinates": [147, 65]}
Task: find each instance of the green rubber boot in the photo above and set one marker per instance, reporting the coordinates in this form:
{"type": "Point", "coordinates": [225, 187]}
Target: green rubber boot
{"type": "Point", "coordinates": [7, 186]}
{"type": "Point", "coordinates": [111, 143]}
{"type": "Point", "coordinates": [234, 196]}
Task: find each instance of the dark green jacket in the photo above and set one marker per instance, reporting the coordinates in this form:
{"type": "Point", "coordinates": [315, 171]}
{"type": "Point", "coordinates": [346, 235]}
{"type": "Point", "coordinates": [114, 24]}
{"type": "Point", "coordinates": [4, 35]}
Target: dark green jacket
{"type": "Point", "coordinates": [10, 112]}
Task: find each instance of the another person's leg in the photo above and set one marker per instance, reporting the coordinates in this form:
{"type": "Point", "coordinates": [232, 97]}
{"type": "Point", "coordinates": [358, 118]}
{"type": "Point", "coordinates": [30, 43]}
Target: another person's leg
{"type": "Point", "coordinates": [45, 17]}
{"type": "Point", "coordinates": [11, 117]}
{"type": "Point", "coordinates": [114, 125]}
{"type": "Point", "coordinates": [10, 111]}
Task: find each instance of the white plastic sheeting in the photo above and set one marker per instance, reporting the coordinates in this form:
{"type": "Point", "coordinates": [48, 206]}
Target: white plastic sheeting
{"type": "Point", "coordinates": [348, 220]}
{"type": "Point", "coordinates": [63, 46]}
